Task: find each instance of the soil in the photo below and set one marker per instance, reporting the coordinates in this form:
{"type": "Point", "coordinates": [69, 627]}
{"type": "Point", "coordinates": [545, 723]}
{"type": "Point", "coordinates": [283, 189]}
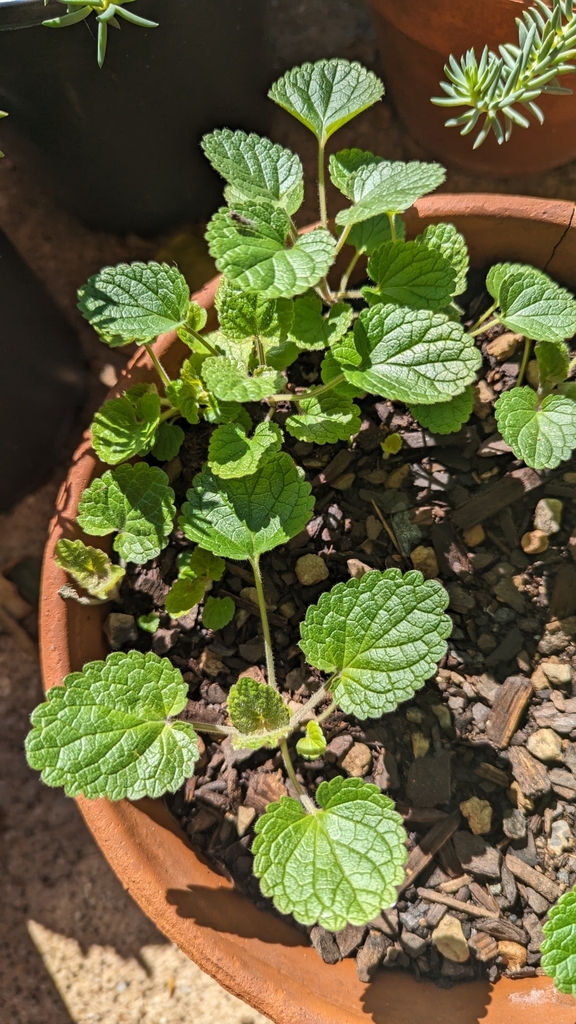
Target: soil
{"type": "Point", "coordinates": [482, 763]}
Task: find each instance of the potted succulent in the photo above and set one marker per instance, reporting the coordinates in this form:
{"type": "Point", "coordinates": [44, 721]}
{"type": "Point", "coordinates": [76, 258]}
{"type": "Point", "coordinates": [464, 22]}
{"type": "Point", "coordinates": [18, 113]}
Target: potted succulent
{"type": "Point", "coordinates": [264, 378]}
{"type": "Point", "coordinates": [417, 43]}
{"type": "Point", "coordinates": [136, 121]}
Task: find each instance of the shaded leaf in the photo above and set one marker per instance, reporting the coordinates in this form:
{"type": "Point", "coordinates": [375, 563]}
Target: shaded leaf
{"type": "Point", "coordinates": [218, 612]}
{"type": "Point", "coordinates": [445, 417]}
{"type": "Point", "coordinates": [452, 245]}
{"type": "Point", "coordinates": [543, 434]}
{"type": "Point", "coordinates": [553, 364]}
{"type": "Point", "coordinates": [411, 274]}
{"type": "Point", "coordinates": [89, 567]}
{"type": "Point", "coordinates": [183, 595]}
{"type": "Point", "coordinates": [312, 330]}
{"type": "Point", "coordinates": [168, 442]}
{"type": "Point", "coordinates": [126, 426]}
{"type": "Point", "coordinates": [233, 454]}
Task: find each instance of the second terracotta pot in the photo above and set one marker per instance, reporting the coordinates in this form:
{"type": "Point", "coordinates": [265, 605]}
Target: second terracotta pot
{"type": "Point", "coordinates": [416, 40]}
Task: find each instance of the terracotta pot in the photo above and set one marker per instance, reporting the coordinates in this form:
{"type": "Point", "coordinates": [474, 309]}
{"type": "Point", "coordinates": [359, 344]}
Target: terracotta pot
{"type": "Point", "coordinates": [416, 40]}
{"type": "Point", "coordinates": [255, 955]}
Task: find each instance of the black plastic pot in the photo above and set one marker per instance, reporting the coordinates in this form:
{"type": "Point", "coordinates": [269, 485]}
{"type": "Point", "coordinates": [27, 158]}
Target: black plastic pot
{"type": "Point", "coordinates": [119, 145]}
{"type": "Point", "coordinates": [42, 379]}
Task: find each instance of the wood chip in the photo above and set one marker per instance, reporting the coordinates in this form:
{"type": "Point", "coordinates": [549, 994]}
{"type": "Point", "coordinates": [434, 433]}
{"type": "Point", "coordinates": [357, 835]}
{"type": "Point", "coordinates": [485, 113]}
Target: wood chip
{"type": "Point", "coordinates": [452, 557]}
{"type": "Point", "coordinates": [512, 487]}
{"type": "Point", "coordinates": [483, 946]}
{"type": "Point", "coordinates": [545, 886]}
{"type": "Point", "coordinates": [507, 710]}
{"type": "Point", "coordinates": [529, 773]}
{"type": "Point", "coordinates": [335, 468]}
{"type": "Point", "coordinates": [485, 899]}
{"type": "Point", "coordinates": [432, 842]}
{"type": "Point", "coordinates": [453, 884]}
{"type": "Point", "coordinates": [449, 901]}
{"type": "Point", "coordinates": [492, 774]}
{"type": "Point", "coordinates": [264, 788]}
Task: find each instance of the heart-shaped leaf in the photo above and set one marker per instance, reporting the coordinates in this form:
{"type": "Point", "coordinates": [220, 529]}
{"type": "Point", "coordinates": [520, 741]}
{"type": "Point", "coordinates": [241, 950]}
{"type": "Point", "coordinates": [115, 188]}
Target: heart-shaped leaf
{"type": "Point", "coordinates": [256, 168]}
{"type": "Point", "coordinates": [135, 301]}
{"type": "Point", "coordinates": [445, 417]}
{"type": "Point", "coordinates": [382, 635]}
{"type": "Point", "coordinates": [243, 518]}
{"type": "Point", "coordinates": [341, 865]}
{"type": "Point", "coordinates": [411, 274]}
{"type": "Point", "coordinates": [312, 330]}
{"type": "Point", "coordinates": [531, 303]}
{"type": "Point", "coordinates": [542, 433]}
{"type": "Point", "coordinates": [313, 744]}
{"type": "Point", "coordinates": [259, 714]}
{"type": "Point", "coordinates": [325, 419]}
{"type": "Point", "coordinates": [126, 426]}
{"type": "Point", "coordinates": [183, 595]}
{"type": "Point", "coordinates": [246, 315]}
{"type": "Point", "coordinates": [231, 381]}
{"type": "Point", "coordinates": [559, 946]}
{"type": "Point", "coordinates": [327, 94]}
{"type": "Point", "coordinates": [387, 187]}
{"type": "Point", "coordinates": [107, 731]}
{"type": "Point", "coordinates": [168, 442]}
{"type": "Point", "coordinates": [233, 454]}
{"type": "Point", "coordinates": [218, 612]}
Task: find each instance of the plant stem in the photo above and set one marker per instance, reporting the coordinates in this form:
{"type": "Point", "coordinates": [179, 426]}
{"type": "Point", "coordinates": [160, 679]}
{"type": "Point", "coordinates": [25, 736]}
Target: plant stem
{"type": "Point", "coordinates": [203, 341]}
{"type": "Point", "coordinates": [322, 186]}
{"type": "Point", "coordinates": [483, 328]}
{"type": "Point", "coordinates": [220, 730]}
{"type": "Point", "coordinates": [169, 414]}
{"type": "Point", "coordinates": [326, 713]}
{"type": "Point", "coordinates": [392, 222]}
{"type": "Point", "coordinates": [305, 799]}
{"type": "Point", "coordinates": [260, 351]}
{"type": "Point", "coordinates": [524, 363]}
{"type": "Point", "coordinates": [347, 272]}
{"type": "Point", "coordinates": [157, 364]}
{"type": "Point", "coordinates": [255, 563]}
{"type": "Point", "coordinates": [309, 706]}
{"type": "Point", "coordinates": [323, 289]}
{"type": "Point", "coordinates": [483, 317]}
{"type": "Point", "coordinates": [342, 240]}
{"type": "Point", "coordinates": [313, 393]}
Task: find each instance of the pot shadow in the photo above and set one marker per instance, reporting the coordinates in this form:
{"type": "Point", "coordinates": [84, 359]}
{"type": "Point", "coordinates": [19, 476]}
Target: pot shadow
{"type": "Point", "coordinates": [228, 911]}
{"type": "Point", "coordinates": [387, 998]}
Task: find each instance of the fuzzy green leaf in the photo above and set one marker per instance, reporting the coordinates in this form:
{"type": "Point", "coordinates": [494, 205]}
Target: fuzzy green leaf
{"type": "Point", "coordinates": [233, 454]}
{"type": "Point", "coordinates": [187, 392]}
{"type": "Point", "coordinates": [326, 95]}
{"type": "Point", "coordinates": [559, 946]}
{"type": "Point", "coordinates": [388, 188]}
{"type": "Point", "coordinates": [168, 442]}
{"type": "Point", "coordinates": [256, 168]}
{"type": "Point", "coordinates": [221, 411]}
{"type": "Point", "coordinates": [250, 248]}
{"type": "Point", "coordinates": [448, 241]}
{"type": "Point", "coordinates": [543, 434]}
{"type": "Point", "coordinates": [331, 368]}
{"type": "Point", "coordinates": [445, 417]}
{"type": "Point", "coordinates": [230, 380]}
{"type": "Point", "coordinates": [339, 866]}
{"type": "Point", "coordinates": [134, 501]}
{"type": "Point", "coordinates": [126, 426]}
{"type": "Point", "coordinates": [135, 301]}
{"type": "Point", "coordinates": [369, 235]}
{"type": "Point", "coordinates": [149, 623]}
{"type": "Point", "coordinates": [411, 274]}
{"type": "Point", "coordinates": [201, 563]}
{"type": "Point", "coordinates": [409, 355]}
{"type": "Point", "coordinates": [259, 714]}
{"type": "Point", "coordinates": [383, 635]}
{"type": "Point", "coordinates": [313, 744]}
{"type": "Point", "coordinates": [531, 303]}
{"type": "Point", "coordinates": [242, 518]}
{"type": "Point", "coordinates": [347, 162]}
{"type": "Point", "coordinates": [279, 354]}
{"type": "Point", "coordinates": [89, 567]}
{"type": "Point", "coordinates": [553, 361]}
{"type": "Point", "coordinates": [244, 315]}
{"type": "Point", "coordinates": [218, 612]}
{"type": "Point", "coordinates": [105, 732]}
{"type": "Point", "coordinates": [312, 330]}
{"type": "Point", "coordinates": [327, 419]}
{"type": "Point", "coordinates": [183, 595]}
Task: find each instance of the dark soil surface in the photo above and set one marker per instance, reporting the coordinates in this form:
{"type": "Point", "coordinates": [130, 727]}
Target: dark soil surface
{"type": "Point", "coordinates": [482, 763]}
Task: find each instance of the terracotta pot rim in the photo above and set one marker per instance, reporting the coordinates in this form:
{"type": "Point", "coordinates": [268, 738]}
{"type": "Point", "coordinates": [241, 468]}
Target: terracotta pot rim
{"type": "Point", "coordinates": [255, 955]}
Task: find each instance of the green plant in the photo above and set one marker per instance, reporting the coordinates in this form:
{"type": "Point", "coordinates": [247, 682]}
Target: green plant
{"type": "Point", "coordinates": [107, 13]}
{"type": "Point", "coordinates": [112, 730]}
{"type": "Point", "coordinates": [559, 946]}
{"type": "Point", "coordinates": [495, 86]}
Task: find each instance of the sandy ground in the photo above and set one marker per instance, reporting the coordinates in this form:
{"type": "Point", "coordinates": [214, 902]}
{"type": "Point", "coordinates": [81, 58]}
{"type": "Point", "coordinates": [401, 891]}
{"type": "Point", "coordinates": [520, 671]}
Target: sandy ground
{"type": "Point", "coordinates": [73, 947]}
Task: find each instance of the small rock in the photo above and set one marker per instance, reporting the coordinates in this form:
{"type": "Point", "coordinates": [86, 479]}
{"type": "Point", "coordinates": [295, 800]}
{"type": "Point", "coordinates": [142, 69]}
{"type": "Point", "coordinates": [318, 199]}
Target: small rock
{"type": "Point", "coordinates": [395, 956]}
{"type": "Point", "coordinates": [443, 715]}
{"type": "Point", "coordinates": [486, 687]}
{"type": "Point", "coordinates": [250, 594]}
{"type": "Point", "coordinates": [252, 650]}
{"type": "Point", "coordinates": [210, 665]}
{"type": "Point", "coordinates": [449, 939]}
{"type": "Point", "coordinates": [385, 771]}
{"type": "Point", "coordinates": [480, 713]}
{"type": "Point", "coordinates": [548, 515]}
{"type": "Point", "coordinates": [424, 559]}
{"type": "Point", "coordinates": [311, 569]}
{"type": "Point", "coordinates": [513, 953]}
{"type": "Point", "coordinates": [483, 399]}
{"type": "Point", "coordinates": [358, 761]}
{"type": "Point", "coordinates": [474, 536]}
{"type": "Point", "coordinates": [507, 592]}
{"type": "Point", "coordinates": [535, 542]}
{"type": "Point", "coordinates": [504, 346]}
{"type": "Point", "coordinates": [563, 783]}
{"type": "Point", "coordinates": [457, 972]}
{"type": "Point", "coordinates": [534, 929]}
{"type": "Point", "coordinates": [478, 813]}
{"type": "Point", "coordinates": [519, 799]}
{"type": "Point", "coordinates": [560, 838]}
{"type": "Point", "coordinates": [556, 673]}
{"type": "Point", "coordinates": [215, 694]}
{"type": "Point", "coordinates": [371, 954]}
{"type": "Point", "coordinates": [477, 856]}
{"type": "Point", "coordinates": [420, 744]}
{"type": "Point", "coordinates": [545, 744]}
{"type": "Point", "coordinates": [120, 629]}
{"type": "Point", "coordinates": [558, 635]}
{"type": "Point", "coordinates": [461, 600]}
{"type": "Point", "coordinates": [287, 609]}
{"type": "Point", "coordinates": [537, 902]}
{"type": "Point", "coordinates": [387, 922]}
{"type": "Point", "coordinates": [338, 747]}
{"type": "Point", "coordinates": [373, 528]}
{"type": "Point", "coordinates": [325, 944]}
{"type": "Point", "coordinates": [412, 944]}
{"type": "Point", "coordinates": [563, 600]}
{"type": "Point", "coordinates": [357, 569]}
{"type": "Point", "coordinates": [350, 938]}
{"type": "Point", "coordinates": [514, 823]}
{"type": "Point", "coordinates": [244, 819]}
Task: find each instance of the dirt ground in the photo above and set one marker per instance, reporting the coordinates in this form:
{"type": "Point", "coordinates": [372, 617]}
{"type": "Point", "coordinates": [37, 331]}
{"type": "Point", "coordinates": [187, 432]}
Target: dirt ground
{"type": "Point", "coordinates": [73, 947]}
